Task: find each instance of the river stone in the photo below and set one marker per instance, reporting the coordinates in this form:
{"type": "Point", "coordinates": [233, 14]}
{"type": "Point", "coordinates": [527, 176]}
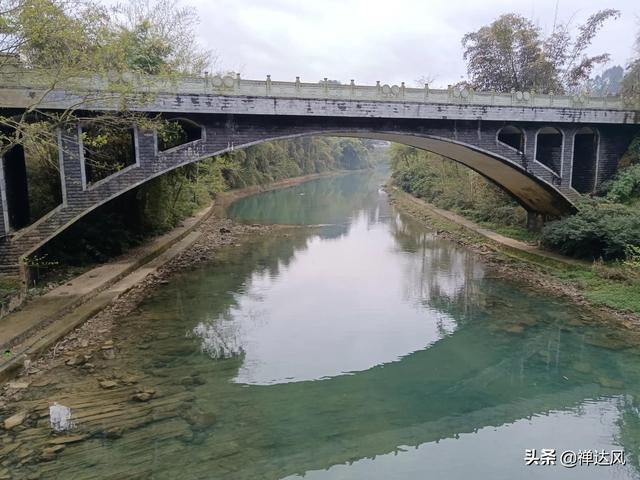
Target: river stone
{"type": "Point", "coordinates": [142, 397]}
{"type": "Point", "coordinates": [18, 385]}
{"type": "Point", "coordinates": [129, 379]}
{"type": "Point", "coordinates": [42, 381]}
{"type": "Point", "coordinates": [200, 420]}
{"type": "Point", "coordinates": [108, 354]}
{"type": "Point", "coordinates": [67, 439]}
{"type": "Point", "coordinates": [114, 432]}
{"type": "Point", "coordinates": [108, 384]}
{"type": "Point", "coordinates": [610, 382]}
{"type": "Point", "coordinates": [50, 453]}
{"type": "Point", "coordinates": [78, 360]}
{"type": "Point", "coordinates": [513, 329]}
{"type": "Point", "coordinates": [88, 367]}
{"type": "Point", "coordinates": [8, 448]}
{"type": "Point", "coordinates": [15, 420]}
{"type": "Point", "coordinates": [581, 367]}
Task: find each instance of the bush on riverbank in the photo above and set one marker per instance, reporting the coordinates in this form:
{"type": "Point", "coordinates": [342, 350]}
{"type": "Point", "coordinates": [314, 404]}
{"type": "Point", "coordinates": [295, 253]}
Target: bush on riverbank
{"type": "Point", "coordinates": [600, 229]}
{"type": "Point", "coordinates": [625, 187]}
{"type": "Point", "coordinates": [606, 227]}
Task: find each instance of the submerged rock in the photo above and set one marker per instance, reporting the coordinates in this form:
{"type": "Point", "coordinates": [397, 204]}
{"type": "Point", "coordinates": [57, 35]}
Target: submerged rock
{"type": "Point", "coordinates": [143, 394]}
{"type": "Point", "coordinates": [114, 432]}
{"type": "Point", "coordinates": [15, 420]}
{"type": "Point", "coordinates": [67, 439]}
{"type": "Point", "coordinates": [142, 397]}
{"type": "Point", "coordinates": [18, 385]}
{"type": "Point", "coordinates": [108, 354]}
{"type": "Point", "coordinates": [50, 453]}
{"type": "Point", "coordinates": [108, 384]}
{"type": "Point", "coordinates": [610, 382]}
{"type": "Point", "coordinates": [581, 367]}
{"type": "Point", "coordinates": [200, 420]}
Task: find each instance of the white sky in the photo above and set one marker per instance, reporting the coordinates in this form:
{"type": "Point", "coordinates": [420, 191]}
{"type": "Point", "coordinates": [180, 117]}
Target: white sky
{"type": "Point", "coordinates": [369, 40]}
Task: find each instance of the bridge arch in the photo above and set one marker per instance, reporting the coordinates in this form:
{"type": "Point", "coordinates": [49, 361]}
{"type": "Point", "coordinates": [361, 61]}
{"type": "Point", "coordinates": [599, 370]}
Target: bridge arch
{"type": "Point", "coordinates": [549, 149]}
{"type": "Point", "coordinates": [187, 131]}
{"type": "Point", "coordinates": [585, 159]}
{"type": "Point", "coordinates": [498, 163]}
{"type": "Point", "coordinates": [513, 137]}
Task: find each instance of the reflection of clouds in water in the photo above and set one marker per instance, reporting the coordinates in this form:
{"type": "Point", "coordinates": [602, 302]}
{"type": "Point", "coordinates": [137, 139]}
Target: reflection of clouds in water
{"type": "Point", "coordinates": [436, 269]}
{"type": "Point", "coordinates": [224, 336]}
{"type": "Point", "coordinates": [337, 308]}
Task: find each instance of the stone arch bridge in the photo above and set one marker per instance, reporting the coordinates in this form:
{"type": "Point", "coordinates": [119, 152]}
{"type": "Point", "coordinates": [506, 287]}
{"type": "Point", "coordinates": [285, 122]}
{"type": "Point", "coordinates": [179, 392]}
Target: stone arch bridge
{"type": "Point", "coordinates": [544, 150]}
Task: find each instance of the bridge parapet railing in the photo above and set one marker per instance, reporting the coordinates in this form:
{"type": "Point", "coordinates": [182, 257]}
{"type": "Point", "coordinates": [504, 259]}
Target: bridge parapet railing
{"type": "Point", "coordinates": [233, 85]}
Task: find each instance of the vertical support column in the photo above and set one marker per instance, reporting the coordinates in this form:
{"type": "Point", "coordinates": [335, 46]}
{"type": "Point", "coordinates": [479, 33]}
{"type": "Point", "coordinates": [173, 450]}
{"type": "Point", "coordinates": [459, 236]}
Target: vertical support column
{"type": "Point", "coordinates": [529, 148]}
{"type": "Point", "coordinates": [71, 158]}
{"type": "Point", "coordinates": [568, 134]}
{"type": "Point", "coordinates": [4, 210]}
{"type": "Point", "coordinates": [146, 149]}
{"type": "Point", "coordinates": [535, 221]}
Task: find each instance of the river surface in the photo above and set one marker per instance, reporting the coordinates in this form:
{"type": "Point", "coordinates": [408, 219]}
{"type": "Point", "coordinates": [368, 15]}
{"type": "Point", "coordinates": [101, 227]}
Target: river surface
{"type": "Point", "coordinates": [360, 345]}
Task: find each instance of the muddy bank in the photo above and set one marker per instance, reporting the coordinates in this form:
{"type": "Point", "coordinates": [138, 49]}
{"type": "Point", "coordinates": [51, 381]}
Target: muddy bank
{"type": "Point", "coordinates": [529, 274]}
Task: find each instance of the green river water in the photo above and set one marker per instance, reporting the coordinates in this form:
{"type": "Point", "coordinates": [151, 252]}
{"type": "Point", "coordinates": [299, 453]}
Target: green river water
{"type": "Point", "coordinates": [363, 347]}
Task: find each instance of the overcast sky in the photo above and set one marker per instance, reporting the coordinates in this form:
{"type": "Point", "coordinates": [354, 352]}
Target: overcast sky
{"type": "Point", "coordinates": [369, 40]}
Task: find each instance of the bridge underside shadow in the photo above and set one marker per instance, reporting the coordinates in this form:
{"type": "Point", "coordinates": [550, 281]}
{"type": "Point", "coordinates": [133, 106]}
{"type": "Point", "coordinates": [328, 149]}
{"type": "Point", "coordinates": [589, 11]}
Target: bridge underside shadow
{"type": "Point", "coordinates": [476, 144]}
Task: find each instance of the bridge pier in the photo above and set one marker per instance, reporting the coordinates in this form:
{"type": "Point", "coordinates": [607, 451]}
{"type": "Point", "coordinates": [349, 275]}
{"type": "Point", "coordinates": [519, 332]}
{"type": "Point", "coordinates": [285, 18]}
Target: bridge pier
{"type": "Point", "coordinates": [535, 221]}
{"type": "Point", "coordinates": [72, 169]}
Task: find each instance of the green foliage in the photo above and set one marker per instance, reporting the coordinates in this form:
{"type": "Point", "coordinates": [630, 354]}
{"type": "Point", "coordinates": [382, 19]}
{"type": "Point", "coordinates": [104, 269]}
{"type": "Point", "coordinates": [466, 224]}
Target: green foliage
{"type": "Point", "coordinates": [510, 54]}
{"type": "Point", "coordinates": [146, 51]}
{"type": "Point", "coordinates": [633, 257]}
{"type": "Point", "coordinates": [600, 229]}
{"type": "Point", "coordinates": [170, 134]}
{"type": "Point", "coordinates": [452, 186]}
{"type": "Point", "coordinates": [107, 149]}
{"type": "Point", "coordinates": [632, 155]}
{"type": "Point", "coordinates": [625, 186]}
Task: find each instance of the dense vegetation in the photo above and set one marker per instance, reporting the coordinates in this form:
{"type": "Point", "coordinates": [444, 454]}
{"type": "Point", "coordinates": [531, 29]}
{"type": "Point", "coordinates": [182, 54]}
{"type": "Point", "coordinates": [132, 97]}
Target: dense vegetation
{"type": "Point", "coordinates": [606, 226]}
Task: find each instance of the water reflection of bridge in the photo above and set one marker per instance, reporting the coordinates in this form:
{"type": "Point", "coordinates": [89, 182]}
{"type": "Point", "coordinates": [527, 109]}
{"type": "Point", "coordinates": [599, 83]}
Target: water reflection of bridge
{"type": "Point", "coordinates": [481, 379]}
